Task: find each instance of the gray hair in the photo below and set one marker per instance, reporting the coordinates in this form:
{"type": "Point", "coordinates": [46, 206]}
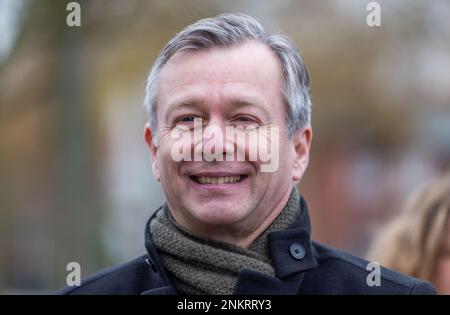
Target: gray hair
{"type": "Point", "coordinates": [228, 30]}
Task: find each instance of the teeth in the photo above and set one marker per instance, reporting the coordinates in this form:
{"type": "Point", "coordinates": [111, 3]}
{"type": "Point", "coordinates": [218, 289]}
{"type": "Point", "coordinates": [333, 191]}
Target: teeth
{"type": "Point", "coordinates": [218, 180]}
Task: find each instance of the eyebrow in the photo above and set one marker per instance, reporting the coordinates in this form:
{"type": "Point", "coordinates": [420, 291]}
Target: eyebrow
{"type": "Point", "coordinates": [253, 104]}
{"type": "Point", "coordinates": [237, 102]}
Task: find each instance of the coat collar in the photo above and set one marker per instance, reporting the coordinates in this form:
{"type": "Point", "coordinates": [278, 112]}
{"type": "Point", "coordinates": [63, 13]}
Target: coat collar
{"type": "Point", "coordinates": [288, 268]}
{"type": "Point", "coordinates": [280, 243]}
{"type": "Point", "coordinates": [155, 263]}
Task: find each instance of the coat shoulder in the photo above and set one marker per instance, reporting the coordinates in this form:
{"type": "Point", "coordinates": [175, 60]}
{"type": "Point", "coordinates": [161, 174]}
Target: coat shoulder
{"type": "Point", "coordinates": [132, 277]}
{"type": "Point", "coordinates": [345, 273]}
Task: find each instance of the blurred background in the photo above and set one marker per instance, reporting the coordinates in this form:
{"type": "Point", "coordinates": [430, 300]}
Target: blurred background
{"type": "Point", "coordinates": [75, 176]}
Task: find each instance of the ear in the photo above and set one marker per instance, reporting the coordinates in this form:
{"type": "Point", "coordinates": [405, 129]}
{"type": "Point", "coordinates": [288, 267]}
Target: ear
{"type": "Point", "coordinates": [302, 143]}
{"type": "Point", "coordinates": [148, 136]}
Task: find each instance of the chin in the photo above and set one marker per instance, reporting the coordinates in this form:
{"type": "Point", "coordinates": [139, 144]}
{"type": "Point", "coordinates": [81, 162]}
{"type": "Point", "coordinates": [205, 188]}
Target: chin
{"type": "Point", "coordinates": [220, 214]}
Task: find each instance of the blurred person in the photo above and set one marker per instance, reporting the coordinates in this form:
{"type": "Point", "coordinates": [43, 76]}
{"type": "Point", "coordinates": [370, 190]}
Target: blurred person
{"type": "Point", "coordinates": [417, 242]}
{"type": "Point", "coordinates": [234, 226]}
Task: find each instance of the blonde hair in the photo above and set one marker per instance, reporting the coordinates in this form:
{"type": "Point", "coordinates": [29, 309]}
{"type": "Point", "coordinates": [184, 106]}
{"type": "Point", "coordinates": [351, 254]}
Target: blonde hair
{"type": "Point", "coordinates": [413, 242]}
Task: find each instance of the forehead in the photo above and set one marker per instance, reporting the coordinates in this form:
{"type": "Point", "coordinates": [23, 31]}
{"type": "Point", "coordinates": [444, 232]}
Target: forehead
{"type": "Point", "coordinates": [250, 68]}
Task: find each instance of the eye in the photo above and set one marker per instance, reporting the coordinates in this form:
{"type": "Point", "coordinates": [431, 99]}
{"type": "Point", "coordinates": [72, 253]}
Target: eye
{"type": "Point", "coordinates": [187, 119]}
{"type": "Point", "coordinates": [190, 121]}
{"type": "Point", "coordinates": [246, 120]}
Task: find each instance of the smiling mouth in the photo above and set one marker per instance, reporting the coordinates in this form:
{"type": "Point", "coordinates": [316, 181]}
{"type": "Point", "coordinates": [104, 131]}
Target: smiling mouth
{"type": "Point", "coordinates": [217, 180]}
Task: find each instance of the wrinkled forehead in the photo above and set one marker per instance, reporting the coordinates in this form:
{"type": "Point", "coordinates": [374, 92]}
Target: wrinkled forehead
{"type": "Point", "coordinates": [251, 67]}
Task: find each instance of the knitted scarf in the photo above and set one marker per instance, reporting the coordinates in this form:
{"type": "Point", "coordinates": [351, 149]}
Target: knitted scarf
{"type": "Point", "coordinates": [205, 266]}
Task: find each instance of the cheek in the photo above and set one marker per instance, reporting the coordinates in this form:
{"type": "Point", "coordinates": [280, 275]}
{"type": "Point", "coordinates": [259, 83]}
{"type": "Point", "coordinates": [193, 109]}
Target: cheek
{"type": "Point", "coordinates": [286, 153]}
{"type": "Point", "coordinates": [274, 149]}
{"type": "Point", "coordinates": [167, 165]}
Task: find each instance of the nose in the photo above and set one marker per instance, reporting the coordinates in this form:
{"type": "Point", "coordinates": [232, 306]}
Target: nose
{"type": "Point", "coordinates": [214, 144]}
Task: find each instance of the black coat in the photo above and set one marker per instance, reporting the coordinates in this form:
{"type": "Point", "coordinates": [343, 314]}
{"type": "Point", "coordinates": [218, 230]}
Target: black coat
{"type": "Point", "coordinates": [301, 266]}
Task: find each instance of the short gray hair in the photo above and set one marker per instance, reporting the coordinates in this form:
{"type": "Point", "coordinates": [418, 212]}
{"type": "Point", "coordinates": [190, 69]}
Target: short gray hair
{"type": "Point", "coordinates": [228, 30]}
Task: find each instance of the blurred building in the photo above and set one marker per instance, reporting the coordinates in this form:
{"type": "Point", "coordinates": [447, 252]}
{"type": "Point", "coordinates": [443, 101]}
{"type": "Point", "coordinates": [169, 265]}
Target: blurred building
{"type": "Point", "coordinates": [75, 176]}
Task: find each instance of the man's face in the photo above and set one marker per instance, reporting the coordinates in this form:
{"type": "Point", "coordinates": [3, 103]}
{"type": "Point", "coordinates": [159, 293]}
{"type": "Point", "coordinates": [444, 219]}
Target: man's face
{"type": "Point", "coordinates": [242, 87]}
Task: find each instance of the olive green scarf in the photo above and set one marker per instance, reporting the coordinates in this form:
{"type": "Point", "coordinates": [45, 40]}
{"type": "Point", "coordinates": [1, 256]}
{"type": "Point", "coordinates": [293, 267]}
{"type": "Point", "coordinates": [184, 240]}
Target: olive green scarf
{"type": "Point", "coordinates": [205, 266]}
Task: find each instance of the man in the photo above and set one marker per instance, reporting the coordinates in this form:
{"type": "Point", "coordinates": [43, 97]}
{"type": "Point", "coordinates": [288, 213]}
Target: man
{"type": "Point", "coordinates": [234, 222]}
